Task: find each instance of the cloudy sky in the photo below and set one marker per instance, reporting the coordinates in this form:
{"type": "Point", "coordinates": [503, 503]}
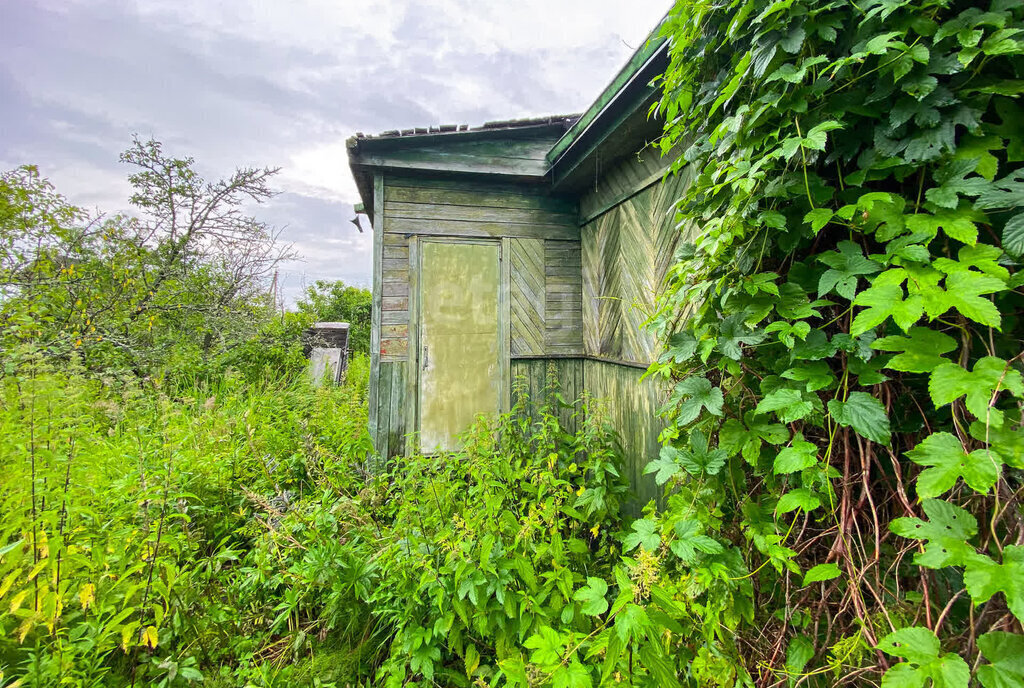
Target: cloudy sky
{"type": "Point", "coordinates": [283, 83]}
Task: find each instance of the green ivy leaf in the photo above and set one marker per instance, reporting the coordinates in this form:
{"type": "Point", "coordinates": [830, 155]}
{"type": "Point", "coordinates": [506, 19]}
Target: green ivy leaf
{"type": "Point", "coordinates": [821, 572]}
{"type": "Point", "coordinates": [991, 375]}
{"type": "Point", "coordinates": [864, 413]}
{"type": "Point", "coordinates": [796, 457]}
{"type": "Point", "coordinates": [983, 578]}
{"type": "Point", "coordinates": [945, 534]}
{"type": "Point", "coordinates": [957, 224]}
{"type": "Point", "coordinates": [947, 461]}
{"type": "Point", "coordinates": [593, 596]}
{"type": "Point", "coordinates": [1005, 653]}
{"type": "Point", "coordinates": [920, 351]}
{"type": "Point", "coordinates": [645, 534]}
{"type": "Point", "coordinates": [693, 394]}
{"type": "Point", "coordinates": [733, 334]}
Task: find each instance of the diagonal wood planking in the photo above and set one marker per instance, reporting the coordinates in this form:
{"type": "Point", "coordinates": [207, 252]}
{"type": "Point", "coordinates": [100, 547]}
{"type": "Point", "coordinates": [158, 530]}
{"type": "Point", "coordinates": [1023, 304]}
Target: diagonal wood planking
{"type": "Point", "coordinates": [528, 297]}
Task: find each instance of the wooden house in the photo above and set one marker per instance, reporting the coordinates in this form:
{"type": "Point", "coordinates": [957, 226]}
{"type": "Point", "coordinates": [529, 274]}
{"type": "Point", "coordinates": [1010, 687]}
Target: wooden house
{"type": "Point", "coordinates": [503, 250]}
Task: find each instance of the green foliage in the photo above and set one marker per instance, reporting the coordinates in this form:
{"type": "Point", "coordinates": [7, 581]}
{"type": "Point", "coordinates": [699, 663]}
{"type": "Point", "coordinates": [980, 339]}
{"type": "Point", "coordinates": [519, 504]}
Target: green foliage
{"type": "Point", "coordinates": [494, 555]}
{"type": "Point", "coordinates": [337, 302]}
{"type": "Point", "coordinates": [846, 323]}
{"type": "Point", "coordinates": [167, 288]}
{"type": "Point", "coordinates": [153, 533]}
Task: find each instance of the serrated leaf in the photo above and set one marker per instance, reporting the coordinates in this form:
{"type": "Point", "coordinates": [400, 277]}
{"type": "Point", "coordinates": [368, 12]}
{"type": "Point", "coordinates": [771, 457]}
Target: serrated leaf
{"type": "Point", "coordinates": [821, 572]}
{"type": "Point", "coordinates": [547, 647]}
{"type": "Point", "coordinates": [864, 413]}
{"type": "Point", "coordinates": [883, 301]}
{"type": "Point", "coordinates": [800, 498]}
{"type": "Point", "coordinates": [593, 596]}
{"type": "Point", "coordinates": [991, 375]}
{"type": "Point", "coordinates": [816, 374]}
{"type": "Point", "coordinates": [944, 534]}
{"type": "Point", "coordinates": [699, 458]}
{"type": "Point", "coordinates": [689, 541]}
{"type": "Point", "coordinates": [983, 578]}
{"type": "Point", "coordinates": [956, 224]}
{"type": "Point", "coordinates": [796, 457]}
{"type": "Point", "coordinates": [665, 466]}
{"type": "Point", "coordinates": [787, 403]}
{"type": "Point", "coordinates": [818, 218]}
{"type": "Point", "coordinates": [693, 394]}
{"type": "Point", "coordinates": [645, 534]}
{"type": "Point", "coordinates": [1013, 236]}
{"type": "Point", "coordinates": [920, 351]}
{"type": "Point", "coordinates": [946, 462]}
{"type": "Point", "coordinates": [1005, 653]}
{"type": "Point", "coordinates": [848, 263]}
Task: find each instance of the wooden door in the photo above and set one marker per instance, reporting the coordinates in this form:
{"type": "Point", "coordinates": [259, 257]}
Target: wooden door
{"type": "Point", "coordinates": [460, 350]}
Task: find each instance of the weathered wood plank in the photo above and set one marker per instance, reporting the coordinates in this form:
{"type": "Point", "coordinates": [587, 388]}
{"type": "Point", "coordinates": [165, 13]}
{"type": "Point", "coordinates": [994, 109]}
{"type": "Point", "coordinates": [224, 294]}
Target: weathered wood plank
{"type": "Point", "coordinates": [395, 289]}
{"type": "Point", "coordinates": [396, 251]}
{"type": "Point", "coordinates": [395, 303]}
{"type": "Point", "coordinates": [383, 408]}
{"type": "Point", "coordinates": [393, 239]}
{"type": "Point", "coordinates": [394, 318]}
{"type": "Point", "coordinates": [449, 161]}
{"type": "Point", "coordinates": [396, 431]}
{"type": "Point", "coordinates": [443, 211]}
{"type": "Point", "coordinates": [396, 274]}
{"type": "Point", "coordinates": [375, 309]}
{"type": "Point", "coordinates": [523, 197]}
{"type": "Point", "coordinates": [396, 265]}
{"type": "Point", "coordinates": [394, 349]}
{"type": "Point", "coordinates": [491, 230]}
{"type": "Point", "coordinates": [394, 331]}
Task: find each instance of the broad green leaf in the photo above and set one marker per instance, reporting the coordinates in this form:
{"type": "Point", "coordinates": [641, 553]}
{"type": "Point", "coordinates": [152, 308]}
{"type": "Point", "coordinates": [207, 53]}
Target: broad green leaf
{"type": "Point", "coordinates": [733, 333]}
{"type": "Point", "coordinates": [954, 182]}
{"type": "Point", "coordinates": [883, 301]}
{"type": "Point", "coordinates": [864, 413]}
{"type": "Point", "coordinates": [698, 458]}
{"type": "Point", "coordinates": [689, 541]}
{"type": "Point", "coordinates": [957, 224]}
{"type": "Point", "coordinates": [983, 578]}
{"type": "Point", "coordinates": [572, 675]}
{"type": "Point", "coordinates": [682, 346]}
{"type": "Point", "coordinates": [920, 351]}
{"type": "Point", "coordinates": [593, 596]}
{"type": "Point", "coordinates": [965, 292]}
{"type": "Point", "coordinates": [922, 648]}
{"type": "Point", "coordinates": [945, 534]}
{"type": "Point", "coordinates": [631, 622]}
{"type": "Point", "coordinates": [991, 375]}
{"type": "Point", "coordinates": [796, 457]}
{"type": "Point", "coordinates": [947, 461]}
{"type": "Point", "coordinates": [1006, 441]}
{"type": "Point", "coordinates": [787, 403]}
{"type": "Point", "coordinates": [645, 534]}
{"type": "Point", "coordinates": [848, 263]}
{"type": "Point", "coordinates": [1013, 236]}
{"type": "Point", "coordinates": [817, 375]}
{"type": "Point", "coordinates": [693, 394]}
{"type": "Point", "coordinates": [821, 572]}
{"type": "Point", "coordinates": [818, 218]}
{"type": "Point", "coordinates": [800, 498]}
{"type": "Point", "coordinates": [1005, 653]}
{"type": "Point", "coordinates": [665, 466]}
{"type": "Point", "coordinates": [547, 647]}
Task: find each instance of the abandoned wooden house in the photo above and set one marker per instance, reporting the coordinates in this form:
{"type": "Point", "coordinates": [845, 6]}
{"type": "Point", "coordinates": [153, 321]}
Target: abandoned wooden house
{"type": "Point", "coordinates": [508, 248]}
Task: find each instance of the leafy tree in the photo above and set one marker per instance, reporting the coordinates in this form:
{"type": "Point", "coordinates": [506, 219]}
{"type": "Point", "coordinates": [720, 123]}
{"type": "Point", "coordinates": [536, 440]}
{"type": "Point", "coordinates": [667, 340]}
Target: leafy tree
{"type": "Point", "coordinates": [169, 285]}
{"type": "Point", "coordinates": [338, 302]}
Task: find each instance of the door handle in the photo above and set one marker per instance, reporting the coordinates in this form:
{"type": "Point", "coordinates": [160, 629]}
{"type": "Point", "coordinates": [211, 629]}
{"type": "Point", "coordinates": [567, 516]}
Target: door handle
{"type": "Point", "coordinates": [426, 357]}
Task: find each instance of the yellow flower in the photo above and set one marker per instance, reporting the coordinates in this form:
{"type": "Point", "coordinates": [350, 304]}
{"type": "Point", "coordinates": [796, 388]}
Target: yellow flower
{"type": "Point", "coordinates": [595, 529]}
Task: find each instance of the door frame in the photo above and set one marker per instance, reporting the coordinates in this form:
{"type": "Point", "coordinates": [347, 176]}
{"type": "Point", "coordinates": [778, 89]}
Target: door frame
{"type": "Point", "coordinates": [415, 296]}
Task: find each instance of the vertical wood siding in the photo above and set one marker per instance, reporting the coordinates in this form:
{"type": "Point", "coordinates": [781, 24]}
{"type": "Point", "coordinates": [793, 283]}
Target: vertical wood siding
{"type": "Point", "coordinates": [563, 314]}
{"type": "Point", "coordinates": [389, 408]}
{"type": "Point", "coordinates": [631, 406]}
{"type": "Point", "coordinates": [533, 380]}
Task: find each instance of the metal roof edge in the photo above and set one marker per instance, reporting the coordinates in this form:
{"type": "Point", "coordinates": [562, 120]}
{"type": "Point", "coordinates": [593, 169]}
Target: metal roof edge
{"type": "Point", "coordinates": [625, 78]}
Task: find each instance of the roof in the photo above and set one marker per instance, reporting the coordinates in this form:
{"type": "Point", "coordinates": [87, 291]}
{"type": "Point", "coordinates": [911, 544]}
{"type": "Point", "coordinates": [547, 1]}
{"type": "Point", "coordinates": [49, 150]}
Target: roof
{"type": "Point", "coordinates": [565, 151]}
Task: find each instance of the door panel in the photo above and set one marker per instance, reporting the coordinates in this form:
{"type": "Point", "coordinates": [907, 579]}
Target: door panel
{"type": "Point", "coordinates": [459, 357]}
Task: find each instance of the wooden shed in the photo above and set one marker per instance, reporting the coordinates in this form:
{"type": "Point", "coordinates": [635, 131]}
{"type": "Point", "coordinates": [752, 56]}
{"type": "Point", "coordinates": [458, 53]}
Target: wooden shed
{"type": "Point", "coordinates": [503, 249]}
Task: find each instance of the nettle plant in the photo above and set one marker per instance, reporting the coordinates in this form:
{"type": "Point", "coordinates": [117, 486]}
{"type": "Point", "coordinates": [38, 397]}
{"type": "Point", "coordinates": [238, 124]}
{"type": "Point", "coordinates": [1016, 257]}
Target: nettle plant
{"type": "Point", "coordinates": [843, 463]}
